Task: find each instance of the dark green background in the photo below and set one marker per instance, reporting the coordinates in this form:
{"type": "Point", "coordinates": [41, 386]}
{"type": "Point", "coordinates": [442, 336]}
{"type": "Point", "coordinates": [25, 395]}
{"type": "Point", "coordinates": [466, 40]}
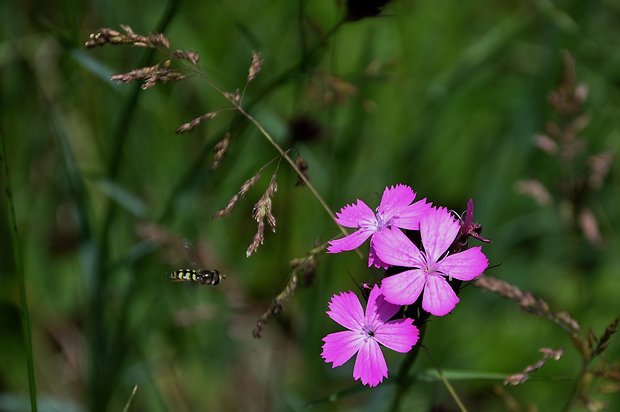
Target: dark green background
{"type": "Point", "coordinates": [449, 95]}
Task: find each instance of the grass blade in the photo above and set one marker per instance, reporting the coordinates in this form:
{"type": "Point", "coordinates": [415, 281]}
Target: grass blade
{"type": "Point", "coordinates": [19, 267]}
{"type": "Point", "coordinates": [130, 400]}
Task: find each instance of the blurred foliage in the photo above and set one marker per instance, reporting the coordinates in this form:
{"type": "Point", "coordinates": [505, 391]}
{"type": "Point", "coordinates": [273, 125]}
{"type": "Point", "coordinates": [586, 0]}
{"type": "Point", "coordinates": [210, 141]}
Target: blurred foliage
{"type": "Point", "coordinates": [445, 96]}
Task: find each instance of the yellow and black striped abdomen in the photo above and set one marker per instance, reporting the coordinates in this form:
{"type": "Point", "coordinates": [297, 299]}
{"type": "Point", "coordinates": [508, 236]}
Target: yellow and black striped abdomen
{"type": "Point", "coordinates": [203, 277]}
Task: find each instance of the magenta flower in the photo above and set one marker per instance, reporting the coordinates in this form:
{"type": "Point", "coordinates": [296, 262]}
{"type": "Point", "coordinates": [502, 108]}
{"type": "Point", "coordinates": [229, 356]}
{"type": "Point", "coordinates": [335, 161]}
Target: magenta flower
{"type": "Point", "coordinates": [430, 267]}
{"type": "Point", "coordinates": [365, 333]}
{"type": "Point", "coordinates": [395, 210]}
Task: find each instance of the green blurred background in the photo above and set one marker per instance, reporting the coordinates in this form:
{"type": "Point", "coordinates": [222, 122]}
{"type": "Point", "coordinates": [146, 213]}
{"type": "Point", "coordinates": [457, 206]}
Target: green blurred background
{"type": "Point", "coordinates": [445, 96]}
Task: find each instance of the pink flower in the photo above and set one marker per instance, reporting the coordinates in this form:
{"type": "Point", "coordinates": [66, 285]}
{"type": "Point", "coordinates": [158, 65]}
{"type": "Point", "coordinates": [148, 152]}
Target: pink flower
{"type": "Point", "coordinates": [365, 333]}
{"type": "Point", "coordinates": [430, 267]}
{"type": "Point", "coordinates": [395, 210]}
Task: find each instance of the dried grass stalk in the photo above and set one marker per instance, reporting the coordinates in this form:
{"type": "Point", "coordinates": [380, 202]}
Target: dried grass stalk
{"type": "Point", "coordinates": [188, 55]}
{"type": "Point", "coordinates": [189, 126]}
{"type": "Point", "coordinates": [603, 342]}
{"type": "Point", "coordinates": [529, 303]}
{"type": "Point", "coordinates": [220, 150]}
{"type": "Point", "coordinates": [245, 187]}
{"type": "Point", "coordinates": [588, 223]}
{"type": "Point", "coordinates": [521, 377]}
{"type": "Point", "coordinates": [262, 212]}
{"type": "Point", "coordinates": [110, 36]}
{"type": "Point", "coordinates": [257, 63]}
{"type": "Point", "coordinates": [599, 168]}
{"type": "Point", "coordinates": [151, 75]}
{"type": "Point", "coordinates": [304, 267]}
{"type": "Point", "coordinates": [535, 190]}
{"type": "Point", "coordinates": [234, 97]}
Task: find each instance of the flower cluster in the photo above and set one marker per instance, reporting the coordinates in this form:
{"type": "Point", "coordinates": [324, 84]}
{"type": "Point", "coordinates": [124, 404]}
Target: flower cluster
{"type": "Point", "coordinates": [437, 255]}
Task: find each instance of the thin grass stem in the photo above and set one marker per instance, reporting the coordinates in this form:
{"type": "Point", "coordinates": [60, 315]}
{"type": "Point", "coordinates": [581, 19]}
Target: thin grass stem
{"type": "Point", "coordinates": [21, 276]}
{"type": "Point", "coordinates": [130, 400]}
{"type": "Point", "coordinates": [447, 384]}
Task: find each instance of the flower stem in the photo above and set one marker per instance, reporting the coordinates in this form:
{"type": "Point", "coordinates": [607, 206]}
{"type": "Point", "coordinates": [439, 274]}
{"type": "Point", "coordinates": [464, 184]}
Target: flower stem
{"type": "Point", "coordinates": [402, 380]}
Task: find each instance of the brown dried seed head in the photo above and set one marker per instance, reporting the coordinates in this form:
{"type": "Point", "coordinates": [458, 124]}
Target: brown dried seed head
{"type": "Point", "coordinates": [226, 211]}
{"type": "Point", "coordinates": [150, 75]}
{"type": "Point", "coordinates": [189, 126]}
{"type": "Point", "coordinates": [188, 55]}
{"type": "Point", "coordinates": [599, 168]}
{"type": "Point", "coordinates": [257, 62]}
{"type": "Point", "coordinates": [519, 378]}
{"type": "Point", "coordinates": [589, 227]}
{"type": "Point", "coordinates": [103, 36]}
{"type": "Point", "coordinates": [546, 144]}
{"type": "Point", "coordinates": [235, 97]}
{"type": "Point", "coordinates": [305, 267]}
{"type": "Point", "coordinates": [158, 40]}
{"type": "Point", "coordinates": [245, 187]}
{"type": "Point", "coordinates": [550, 353]}
{"type": "Point", "coordinates": [258, 239]}
{"type": "Point", "coordinates": [581, 93]}
{"type": "Point", "coordinates": [598, 346]}
{"type": "Point", "coordinates": [535, 190]}
{"type": "Point", "coordinates": [566, 319]}
{"type": "Point", "coordinates": [127, 29]}
{"type": "Point", "coordinates": [276, 305]}
{"type": "Point", "coordinates": [529, 303]}
{"type": "Point", "coordinates": [110, 36]}
{"type": "Point", "coordinates": [271, 190]}
{"type": "Point", "coordinates": [220, 150]}
{"type": "Point", "coordinates": [260, 212]}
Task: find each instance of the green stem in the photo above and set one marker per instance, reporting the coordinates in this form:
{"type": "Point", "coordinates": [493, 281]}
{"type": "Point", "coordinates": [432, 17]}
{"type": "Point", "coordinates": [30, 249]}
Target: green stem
{"type": "Point", "coordinates": [402, 380]}
{"type": "Point", "coordinates": [19, 267]}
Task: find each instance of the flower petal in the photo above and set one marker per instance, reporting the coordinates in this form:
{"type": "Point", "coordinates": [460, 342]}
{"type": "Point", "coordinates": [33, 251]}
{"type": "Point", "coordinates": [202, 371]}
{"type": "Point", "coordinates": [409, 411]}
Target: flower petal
{"type": "Point", "coordinates": [373, 259]}
{"type": "Point", "coordinates": [346, 310]}
{"type": "Point", "coordinates": [393, 247]}
{"type": "Point", "coordinates": [339, 347]}
{"type": "Point", "coordinates": [439, 298]}
{"type": "Point", "coordinates": [409, 218]}
{"type": "Point", "coordinates": [378, 310]}
{"type": "Point", "coordinates": [403, 288]}
{"type": "Point", "coordinates": [438, 230]}
{"type": "Point", "coordinates": [354, 240]}
{"type": "Point", "coordinates": [465, 265]}
{"type": "Point", "coordinates": [394, 199]}
{"type": "Point", "coordinates": [356, 215]}
{"type": "Point", "coordinates": [399, 335]}
{"type": "Point", "coordinates": [370, 366]}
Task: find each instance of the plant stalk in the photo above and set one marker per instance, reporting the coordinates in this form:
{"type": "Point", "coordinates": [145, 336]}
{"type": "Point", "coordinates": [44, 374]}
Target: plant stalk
{"type": "Point", "coordinates": [21, 275]}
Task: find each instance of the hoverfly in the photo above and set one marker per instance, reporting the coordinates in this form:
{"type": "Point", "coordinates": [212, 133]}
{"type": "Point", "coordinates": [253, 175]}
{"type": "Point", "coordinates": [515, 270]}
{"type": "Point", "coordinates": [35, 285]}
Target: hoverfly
{"type": "Point", "coordinates": [199, 276]}
{"type": "Point", "coordinates": [202, 277]}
